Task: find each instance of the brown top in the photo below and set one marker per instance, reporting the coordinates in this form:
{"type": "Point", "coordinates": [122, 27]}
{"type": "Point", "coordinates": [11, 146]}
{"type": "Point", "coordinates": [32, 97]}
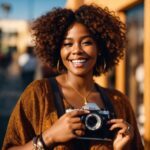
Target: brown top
{"type": "Point", "coordinates": [35, 112]}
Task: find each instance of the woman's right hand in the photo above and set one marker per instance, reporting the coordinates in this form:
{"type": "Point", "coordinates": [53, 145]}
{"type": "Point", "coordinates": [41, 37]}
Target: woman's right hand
{"type": "Point", "coordinates": [67, 127]}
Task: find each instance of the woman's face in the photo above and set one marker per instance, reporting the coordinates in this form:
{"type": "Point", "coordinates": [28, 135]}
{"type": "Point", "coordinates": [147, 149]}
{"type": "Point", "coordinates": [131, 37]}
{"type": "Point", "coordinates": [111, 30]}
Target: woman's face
{"type": "Point", "coordinates": [79, 50]}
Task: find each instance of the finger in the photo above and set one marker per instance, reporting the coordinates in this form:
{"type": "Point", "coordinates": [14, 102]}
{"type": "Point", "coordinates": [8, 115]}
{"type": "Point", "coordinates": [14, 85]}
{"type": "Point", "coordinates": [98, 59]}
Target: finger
{"type": "Point", "coordinates": [117, 125]}
{"type": "Point", "coordinates": [123, 131]}
{"type": "Point", "coordinates": [75, 120]}
{"type": "Point", "coordinates": [79, 126]}
{"type": "Point", "coordinates": [129, 131]}
{"type": "Point", "coordinates": [78, 129]}
{"type": "Point", "coordinates": [79, 132]}
{"type": "Point", "coordinates": [116, 121]}
{"type": "Point", "coordinates": [124, 128]}
{"type": "Point", "coordinates": [122, 139]}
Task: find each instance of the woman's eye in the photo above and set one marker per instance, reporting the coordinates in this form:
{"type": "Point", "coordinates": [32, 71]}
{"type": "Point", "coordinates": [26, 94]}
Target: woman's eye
{"type": "Point", "coordinates": [67, 44]}
{"type": "Point", "coordinates": [87, 43]}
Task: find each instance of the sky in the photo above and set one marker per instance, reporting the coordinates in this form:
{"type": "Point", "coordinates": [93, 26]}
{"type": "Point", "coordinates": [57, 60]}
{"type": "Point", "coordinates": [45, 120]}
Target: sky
{"type": "Point", "coordinates": [29, 9]}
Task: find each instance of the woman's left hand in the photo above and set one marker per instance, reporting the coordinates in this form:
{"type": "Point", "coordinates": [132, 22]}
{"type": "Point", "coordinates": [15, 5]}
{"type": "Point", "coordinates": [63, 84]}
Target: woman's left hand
{"type": "Point", "coordinates": [124, 133]}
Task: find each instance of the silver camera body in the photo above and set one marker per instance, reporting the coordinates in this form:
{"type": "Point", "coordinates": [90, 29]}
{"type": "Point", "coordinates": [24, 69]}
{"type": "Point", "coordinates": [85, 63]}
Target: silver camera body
{"type": "Point", "coordinates": [96, 126]}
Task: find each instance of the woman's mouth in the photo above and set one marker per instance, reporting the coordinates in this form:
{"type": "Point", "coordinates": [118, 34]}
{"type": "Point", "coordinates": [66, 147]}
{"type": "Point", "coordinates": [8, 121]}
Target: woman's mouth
{"type": "Point", "coordinates": [79, 62]}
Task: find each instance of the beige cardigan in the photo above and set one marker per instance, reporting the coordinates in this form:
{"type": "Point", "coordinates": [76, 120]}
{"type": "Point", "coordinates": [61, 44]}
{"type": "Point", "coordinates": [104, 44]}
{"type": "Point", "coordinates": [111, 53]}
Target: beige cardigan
{"type": "Point", "coordinates": [35, 112]}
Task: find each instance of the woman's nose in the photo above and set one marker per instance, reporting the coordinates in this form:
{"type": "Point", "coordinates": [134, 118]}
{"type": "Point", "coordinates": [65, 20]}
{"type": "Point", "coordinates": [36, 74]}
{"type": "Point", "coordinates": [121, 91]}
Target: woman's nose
{"type": "Point", "coordinates": [77, 49]}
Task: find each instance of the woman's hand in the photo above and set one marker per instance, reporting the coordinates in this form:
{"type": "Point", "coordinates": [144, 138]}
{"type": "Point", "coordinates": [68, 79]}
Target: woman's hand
{"type": "Point", "coordinates": [67, 127]}
{"type": "Point", "coordinates": [124, 133]}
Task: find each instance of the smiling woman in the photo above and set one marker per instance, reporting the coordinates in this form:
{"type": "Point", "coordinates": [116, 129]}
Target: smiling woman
{"type": "Point", "coordinates": [79, 50]}
{"type": "Point", "coordinates": [71, 111]}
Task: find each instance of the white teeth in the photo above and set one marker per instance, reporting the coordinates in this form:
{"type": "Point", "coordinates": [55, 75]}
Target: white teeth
{"type": "Point", "coordinates": [78, 61]}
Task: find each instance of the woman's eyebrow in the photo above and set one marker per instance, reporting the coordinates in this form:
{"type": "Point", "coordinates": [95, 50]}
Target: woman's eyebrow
{"type": "Point", "coordinates": [68, 38]}
{"type": "Point", "coordinates": [82, 37]}
{"type": "Point", "coordinates": [86, 36]}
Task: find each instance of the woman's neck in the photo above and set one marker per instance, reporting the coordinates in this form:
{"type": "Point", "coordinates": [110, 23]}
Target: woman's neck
{"type": "Point", "coordinates": [76, 89]}
{"type": "Point", "coordinates": [85, 83]}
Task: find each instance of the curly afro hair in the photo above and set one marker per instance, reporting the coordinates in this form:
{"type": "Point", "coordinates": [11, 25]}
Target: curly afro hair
{"type": "Point", "coordinates": [106, 29]}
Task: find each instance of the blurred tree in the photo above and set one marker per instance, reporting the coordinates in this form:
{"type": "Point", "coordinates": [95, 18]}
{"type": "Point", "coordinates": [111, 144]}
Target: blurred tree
{"type": "Point", "coordinates": [6, 8]}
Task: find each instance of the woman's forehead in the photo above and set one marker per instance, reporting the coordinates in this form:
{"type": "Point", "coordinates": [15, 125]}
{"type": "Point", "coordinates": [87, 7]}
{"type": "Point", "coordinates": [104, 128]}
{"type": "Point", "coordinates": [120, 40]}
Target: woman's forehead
{"type": "Point", "coordinates": [77, 29]}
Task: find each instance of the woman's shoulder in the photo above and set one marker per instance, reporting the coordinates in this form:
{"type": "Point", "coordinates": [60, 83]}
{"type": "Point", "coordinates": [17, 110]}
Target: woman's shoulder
{"type": "Point", "coordinates": [45, 83]}
{"type": "Point", "coordinates": [40, 86]}
{"type": "Point", "coordinates": [115, 94]}
{"type": "Point", "coordinates": [118, 98]}
{"type": "Point", "coordinates": [36, 91]}
{"type": "Point", "coordinates": [120, 102]}
{"type": "Point", "coordinates": [40, 83]}
{"type": "Point", "coordinates": [37, 95]}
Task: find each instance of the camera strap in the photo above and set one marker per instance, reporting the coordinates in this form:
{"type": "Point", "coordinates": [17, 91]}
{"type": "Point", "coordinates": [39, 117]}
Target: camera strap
{"type": "Point", "coordinates": [58, 97]}
{"type": "Point", "coordinates": [106, 100]}
{"type": "Point", "coordinates": [77, 144]}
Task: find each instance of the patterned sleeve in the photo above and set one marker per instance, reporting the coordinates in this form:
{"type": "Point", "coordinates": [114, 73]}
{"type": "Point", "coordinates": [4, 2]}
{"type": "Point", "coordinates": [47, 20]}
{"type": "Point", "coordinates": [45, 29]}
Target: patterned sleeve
{"type": "Point", "coordinates": [25, 118]}
{"type": "Point", "coordinates": [124, 110]}
{"type": "Point", "coordinates": [136, 144]}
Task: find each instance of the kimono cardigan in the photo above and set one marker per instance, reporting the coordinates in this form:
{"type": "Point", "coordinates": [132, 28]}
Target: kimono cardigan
{"type": "Point", "coordinates": [35, 112]}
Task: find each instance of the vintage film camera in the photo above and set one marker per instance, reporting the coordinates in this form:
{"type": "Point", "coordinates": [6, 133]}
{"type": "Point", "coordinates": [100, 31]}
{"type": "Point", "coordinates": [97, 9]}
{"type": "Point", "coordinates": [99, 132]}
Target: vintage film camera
{"type": "Point", "coordinates": [96, 124]}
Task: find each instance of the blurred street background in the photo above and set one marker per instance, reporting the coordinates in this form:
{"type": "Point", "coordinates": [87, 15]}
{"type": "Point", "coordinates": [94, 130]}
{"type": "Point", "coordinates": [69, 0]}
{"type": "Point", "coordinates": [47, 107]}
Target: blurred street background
{"type": "Point", "coordinates": [19, 66]}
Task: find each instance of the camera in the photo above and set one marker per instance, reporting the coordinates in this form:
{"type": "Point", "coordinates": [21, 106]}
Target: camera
{"type": "Point", "coordinates": [96, 126]}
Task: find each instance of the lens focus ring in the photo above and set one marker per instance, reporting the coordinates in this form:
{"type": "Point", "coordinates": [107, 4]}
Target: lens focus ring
{"type": "Point", "coordinates": [93, 121]}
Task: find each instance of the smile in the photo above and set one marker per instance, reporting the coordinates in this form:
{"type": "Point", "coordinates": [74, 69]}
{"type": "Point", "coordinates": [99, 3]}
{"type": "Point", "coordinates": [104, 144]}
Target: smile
{"type": "Point", "coordinates": [79, 63]}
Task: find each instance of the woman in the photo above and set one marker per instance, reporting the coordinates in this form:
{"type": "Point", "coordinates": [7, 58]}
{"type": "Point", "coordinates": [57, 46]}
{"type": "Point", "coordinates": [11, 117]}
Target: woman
{"type": "Point", "coordinates": [83, 43]}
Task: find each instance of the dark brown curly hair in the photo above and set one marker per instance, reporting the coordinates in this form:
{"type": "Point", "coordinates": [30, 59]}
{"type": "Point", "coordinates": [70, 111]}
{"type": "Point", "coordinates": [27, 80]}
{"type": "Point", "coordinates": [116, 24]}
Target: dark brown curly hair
{"type": "Point", "coordinates": [106, 29]}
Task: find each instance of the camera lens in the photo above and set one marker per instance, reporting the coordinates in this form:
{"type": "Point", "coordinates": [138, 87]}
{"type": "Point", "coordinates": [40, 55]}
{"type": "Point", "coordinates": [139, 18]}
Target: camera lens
{"type": "Point", "coordinates": [93, 121]}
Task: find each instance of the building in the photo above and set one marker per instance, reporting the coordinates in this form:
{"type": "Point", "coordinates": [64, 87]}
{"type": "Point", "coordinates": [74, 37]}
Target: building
{"type": "Point", "coordinates": [15, 35]}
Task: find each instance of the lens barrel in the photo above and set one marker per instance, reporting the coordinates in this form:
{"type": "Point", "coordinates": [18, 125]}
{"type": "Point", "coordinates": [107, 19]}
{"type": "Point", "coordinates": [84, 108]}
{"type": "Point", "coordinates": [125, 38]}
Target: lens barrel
{"type": "Point", "coordinates": [93, 121]}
